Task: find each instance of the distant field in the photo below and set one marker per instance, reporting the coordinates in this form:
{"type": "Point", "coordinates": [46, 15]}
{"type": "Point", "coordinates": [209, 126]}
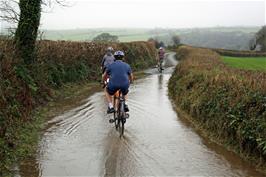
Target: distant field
{"type": "Point", "coordinates": [125, 35]}
{"type": "Point", "coordinates": [138, 34]}
{"type": "Point", "coordinates": [249, 63]}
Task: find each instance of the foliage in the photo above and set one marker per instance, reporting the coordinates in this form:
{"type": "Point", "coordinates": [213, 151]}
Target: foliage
{"type": "Point", "coordinates": [23, 87]}
{"type": "Point", "coordinates": [228, 102]}
{"type": "Point", "coordinates": [260, 39]}
{"type": "Point", "coordinates": [176, 40]}
{"type": "Point", "coordinates": [156, 42]}
{"type": "Point", "coordinates": [106, 37]}
{"type": "Point", "coordinates": [161, 44]}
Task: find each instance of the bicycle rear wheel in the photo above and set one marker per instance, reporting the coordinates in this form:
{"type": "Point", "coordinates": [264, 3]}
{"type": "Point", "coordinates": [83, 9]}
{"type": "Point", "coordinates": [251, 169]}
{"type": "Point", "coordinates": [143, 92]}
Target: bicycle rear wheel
{"type": "Point", "coordinates": [160, 67]}
{"type": "Point", "coordinates": [115, 113]}
{"type": "Point", "coordinates": [116, 120]}
{"type": "Point", "coordinates": [121, 126]}
{"type": "Point", "coordinates": [121, 121]}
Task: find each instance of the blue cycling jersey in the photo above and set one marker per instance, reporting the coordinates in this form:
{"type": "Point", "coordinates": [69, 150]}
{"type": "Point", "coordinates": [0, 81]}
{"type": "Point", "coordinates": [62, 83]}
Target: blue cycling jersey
{"type": "Point", "coordinates": [119, 72]}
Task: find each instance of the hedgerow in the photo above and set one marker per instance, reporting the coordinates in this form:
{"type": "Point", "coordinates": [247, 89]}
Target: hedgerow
{"type": "Point", "coordinates": [230, 104]}
{"type": "Point", "coordinates": [23, 87]}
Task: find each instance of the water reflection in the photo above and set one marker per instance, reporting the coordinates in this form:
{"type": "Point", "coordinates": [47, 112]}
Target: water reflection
{"type": "Point", "coordinates": [160, 81]}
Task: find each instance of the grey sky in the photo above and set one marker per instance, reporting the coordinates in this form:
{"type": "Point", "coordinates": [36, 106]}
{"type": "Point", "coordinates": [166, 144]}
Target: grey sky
{"type": "Point", "coordinates": [155, 13]}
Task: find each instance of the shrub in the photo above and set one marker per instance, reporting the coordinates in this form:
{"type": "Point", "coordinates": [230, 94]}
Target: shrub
{"type": "Point", "coordinates": [229, 103]}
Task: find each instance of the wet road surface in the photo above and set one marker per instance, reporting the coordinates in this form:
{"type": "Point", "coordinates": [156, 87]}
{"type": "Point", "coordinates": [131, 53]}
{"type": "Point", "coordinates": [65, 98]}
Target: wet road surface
{"type": "Point", "coordinates": [157, 142]}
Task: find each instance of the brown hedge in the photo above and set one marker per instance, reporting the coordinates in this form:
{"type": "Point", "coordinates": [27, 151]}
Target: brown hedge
{"type": "Point", "coordinates": [228, 103]}
{"type": "Point", "coordinates": [23, 87]}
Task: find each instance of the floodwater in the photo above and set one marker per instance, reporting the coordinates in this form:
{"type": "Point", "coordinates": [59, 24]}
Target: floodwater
{"type": "Point", "coordinates": [81, 142]}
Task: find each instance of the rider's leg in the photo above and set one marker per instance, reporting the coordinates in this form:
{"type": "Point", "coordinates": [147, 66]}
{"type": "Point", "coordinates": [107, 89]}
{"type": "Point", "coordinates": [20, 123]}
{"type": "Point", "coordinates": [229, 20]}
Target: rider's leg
{"type": "Point", "coordinates": [161, 63]}
{"type": "Point", "coordinates": [125, 92]}
{"type": "Point", "coordinates": [109, 98]}
{"type": "Point", "coordinates": [108, 94]}
{"type": "Point", "coordinates": [115, 97]}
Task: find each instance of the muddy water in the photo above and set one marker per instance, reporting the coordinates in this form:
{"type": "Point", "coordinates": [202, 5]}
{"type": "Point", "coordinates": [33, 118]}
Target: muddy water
{"type": "Point", "coordinates": [157, 142]}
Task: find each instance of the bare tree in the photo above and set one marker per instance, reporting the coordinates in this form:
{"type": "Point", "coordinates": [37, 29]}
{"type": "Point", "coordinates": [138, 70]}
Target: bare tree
{"type": "Point", "coordinates": [9, 11]}
{"type": "Point", "coordinates": [26, 14]}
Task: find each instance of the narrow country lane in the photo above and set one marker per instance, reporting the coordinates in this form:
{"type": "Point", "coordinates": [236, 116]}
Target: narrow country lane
{"type": "Point", "coordinates": [157, 141]}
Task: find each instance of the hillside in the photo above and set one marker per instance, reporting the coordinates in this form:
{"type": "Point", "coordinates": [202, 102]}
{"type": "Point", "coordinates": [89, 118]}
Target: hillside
{"type": "Point", "coordinates": [236, 38]}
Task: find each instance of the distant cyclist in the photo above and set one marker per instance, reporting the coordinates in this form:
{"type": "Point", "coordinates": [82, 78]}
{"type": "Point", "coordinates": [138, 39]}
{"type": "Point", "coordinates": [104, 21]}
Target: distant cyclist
{"type": "Point", "coordinates": [107, 59]}
{"type": "Point", "coordinates": [161, 53]}
{"type": "Point", "coordinates": [120, 76]}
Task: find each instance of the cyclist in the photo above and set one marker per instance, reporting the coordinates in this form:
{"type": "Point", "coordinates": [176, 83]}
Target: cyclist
{"type": "Point", "coordinates": [107, 59]}
{"type": "Point", "coordinates": [161, 56]}
{"type": "Point", "coordinates": [120, 76]}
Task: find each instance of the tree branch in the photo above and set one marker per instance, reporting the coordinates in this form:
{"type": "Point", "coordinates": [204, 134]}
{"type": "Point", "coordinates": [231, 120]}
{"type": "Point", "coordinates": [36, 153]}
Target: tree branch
{"type": "Point", "coordinates": [8, 11]}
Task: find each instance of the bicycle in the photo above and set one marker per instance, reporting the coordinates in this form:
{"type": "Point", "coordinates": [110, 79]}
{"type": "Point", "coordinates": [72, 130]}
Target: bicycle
{"type": "Point", "coordinates": [120, 115]}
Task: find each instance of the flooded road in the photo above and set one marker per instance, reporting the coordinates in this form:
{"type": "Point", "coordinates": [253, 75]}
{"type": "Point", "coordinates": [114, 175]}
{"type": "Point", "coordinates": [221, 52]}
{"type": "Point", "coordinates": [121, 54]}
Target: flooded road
{"type": "Point", "coordinates": [157, 142]}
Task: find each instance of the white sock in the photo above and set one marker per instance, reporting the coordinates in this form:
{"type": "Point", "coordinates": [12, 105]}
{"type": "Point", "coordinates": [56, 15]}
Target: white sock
{"type": "Point", "coordinates": [110, 105]}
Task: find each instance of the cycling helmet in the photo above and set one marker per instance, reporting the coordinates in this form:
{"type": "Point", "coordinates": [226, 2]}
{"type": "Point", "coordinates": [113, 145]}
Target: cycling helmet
{"type": "Point", "coordinates": [109, 49]}
{"type": "Point", "coordinates": [161, 48]}
{"type": "Point", "coordinates": [119, 55]}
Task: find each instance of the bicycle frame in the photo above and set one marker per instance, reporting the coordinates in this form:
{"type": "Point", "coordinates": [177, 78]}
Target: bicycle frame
{"type": "Point", "coordinates": [119, 114]}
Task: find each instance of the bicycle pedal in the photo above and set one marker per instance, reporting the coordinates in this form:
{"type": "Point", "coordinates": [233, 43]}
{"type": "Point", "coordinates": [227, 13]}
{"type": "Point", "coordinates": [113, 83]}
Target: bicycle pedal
{"type": "Point", "coordinates": [111, 121]}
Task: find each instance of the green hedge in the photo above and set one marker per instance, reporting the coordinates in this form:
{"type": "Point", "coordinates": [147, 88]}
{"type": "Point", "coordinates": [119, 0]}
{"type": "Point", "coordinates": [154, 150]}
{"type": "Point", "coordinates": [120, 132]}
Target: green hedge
{"type": "Point", "coordinates": [228, 103]}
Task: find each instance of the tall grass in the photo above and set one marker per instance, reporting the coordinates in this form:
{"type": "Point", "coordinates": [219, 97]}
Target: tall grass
{"type": "Point", "coordinates": [229, 103]}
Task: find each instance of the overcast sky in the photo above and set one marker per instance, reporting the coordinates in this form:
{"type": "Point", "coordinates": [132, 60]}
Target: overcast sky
{"type": "Point", "coordinates": [154, 13]}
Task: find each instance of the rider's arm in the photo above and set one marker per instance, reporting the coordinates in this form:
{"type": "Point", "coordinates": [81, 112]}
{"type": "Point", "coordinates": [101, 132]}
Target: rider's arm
{"type": "Point", "coordinates": [130, 74]}
{"type": "Point", "coordinates": [131, 78]}
{"type": "Point", "coordinates": [103, 60]}
{"type": "Point", "coordinates": [104, 76]}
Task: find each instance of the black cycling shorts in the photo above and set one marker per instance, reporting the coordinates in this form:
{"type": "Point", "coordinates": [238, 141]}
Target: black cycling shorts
{"type": "Point", "coordinates": [113, 89]}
